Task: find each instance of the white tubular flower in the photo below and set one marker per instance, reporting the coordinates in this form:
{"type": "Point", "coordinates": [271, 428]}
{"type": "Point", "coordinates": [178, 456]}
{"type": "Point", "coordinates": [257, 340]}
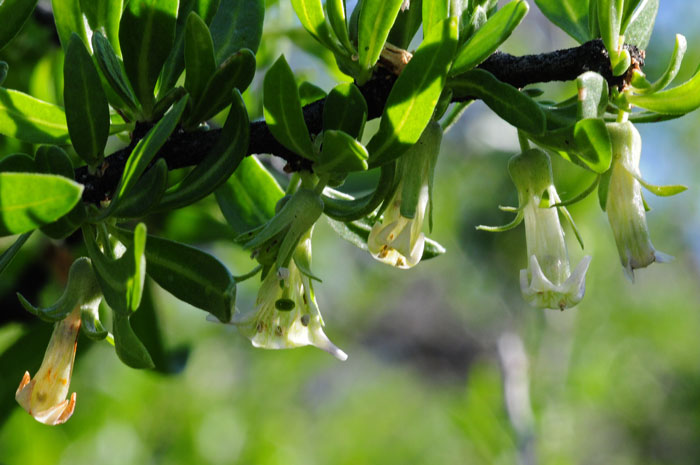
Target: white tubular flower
{"type": "Point", "coordinates": [625, 205]}
{"type": "Point", "coordinates": [396, 239]}
{"type": "Point", "coordinates": [547, 282]}
{"type": "Point", "coordinates": [44, 396]}
{"type": "Point", "coordinates": [286, 314]}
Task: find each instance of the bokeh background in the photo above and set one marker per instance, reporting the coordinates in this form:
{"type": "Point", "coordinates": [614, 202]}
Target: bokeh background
{"type": "Point", "coordinates": [447, 364]}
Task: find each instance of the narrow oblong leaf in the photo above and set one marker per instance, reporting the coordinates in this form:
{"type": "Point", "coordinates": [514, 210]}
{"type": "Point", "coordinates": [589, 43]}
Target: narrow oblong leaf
{"type": "Point", "coordinates": [143, 154]}
{"type": "Point", "coordinates": [31, 200]}
{"type": "Point", "coordinates": [9, 254]}
{"type": "Point", "coordinates": [146, 194]}
{"type": "Point", "coordinates": [407, 23]}
{"type": "Point", "coordinates": [283, 113]}
{"type": "Point", "coordinates": [31, 120]}
{"type": "Point", "coordinates": [248, 198]}
{"type": "Point", "coordinates": [415, 94]}
{"type": "Point", "coordinates": [112, 69]}
{"type": "Point", "coordinates": [570, 15]}
{"type": "Point", "coordinates": [68, 16]}
{"type": "Point", "coordinates": [340, 153]}
{"type": "Point", "coordinates": [374, 24]}
{"type": "Point", "coordinates": [310, 93]}
{"type": "Point", "coordinates": [434, 12]}
{"type": "Point", "coordinates": [505, 100]}
{"type": "Point", "coordinates": [218, 165]}
{"type": "Point", "coordinates": [310, 13]}
{"type": "Point", "coordinates": [236, 72]}
{"type": "Point", "coordinates": [87, 110]}
{"type": "Point", "coordinates": [673, 67]}
{"type": "Point", "coordinates": [641, 23]}
{"type": "Point", "coordinates": [345, 109]}
{"type": "Point", "coordinates": [337, 19]}
{"type": "Point", "coordinates": [237, 25]}
{"type": "Point", "coordinates": [676, 101]}
{"type": "Point", "coordinates": [189, 274]}
{"type": "Point", "coordinates": [103, 16]}
{"type": "Point", "coordinates": [200, 63]}
{"type": "Point", "coordinates": [14, 14]}
{"type": "Point", "coordinates": [490, 36]}
{"type": "Point", "coordinates": [146, 33]}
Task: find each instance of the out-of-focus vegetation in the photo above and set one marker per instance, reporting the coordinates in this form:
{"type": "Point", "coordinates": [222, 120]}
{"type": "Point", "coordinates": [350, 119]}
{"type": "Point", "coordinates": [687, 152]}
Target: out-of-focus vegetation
{"type": "Point", "coordinates": [447, 364]}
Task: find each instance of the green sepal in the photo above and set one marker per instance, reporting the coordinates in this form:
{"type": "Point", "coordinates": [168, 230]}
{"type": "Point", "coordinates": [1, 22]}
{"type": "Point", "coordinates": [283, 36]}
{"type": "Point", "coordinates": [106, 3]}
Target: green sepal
{"type": "Point", "coordinates": [345, 109]}
{"type": "Point", "coordinates": [570, 219]}
{"type": "Point", "coordinates": [593, 144]}
{"type": "Point", "coordinates": [90, 324]}
{"type": "Point", "coordinates": [603, 188]}
{"type": "Point", "coordinates": [128, 346]}
{"type": "Point", "coordinates": [418, 166]}
{"type": "Point", "coordinates": [676, 101]}
{"type": "Point", "coordinates": [218, 165]}
{"type": "Point", "coordinates": [505, 100]}
{"type": "Point", "coordinates": [506, 227]}
{"type": "Point", "coordinates": [340, 153]}
{"type": "Point", "coordinates": [342, 207]}
{"type": "Point", "coordinates": [121, 279]}
{"type": "Point", "coordinates": [9, 254]}
{"type": "Point", "coordinates": [582, 195]}
{"type": "Point", "coordinates": [661, 191]}
{"type": "Point", "coordinates": [81, 290]}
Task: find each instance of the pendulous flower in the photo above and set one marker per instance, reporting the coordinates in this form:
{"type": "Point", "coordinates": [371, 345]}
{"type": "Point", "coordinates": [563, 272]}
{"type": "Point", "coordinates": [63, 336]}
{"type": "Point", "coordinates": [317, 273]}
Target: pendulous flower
{"type": "Point", "coordinates": [396, 239]}
{"type": "Point", "coordinates": [44, 396]}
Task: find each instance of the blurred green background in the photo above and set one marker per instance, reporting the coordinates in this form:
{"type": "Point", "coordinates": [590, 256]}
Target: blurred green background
{"type": "Point", "coordinates": [447, 364]}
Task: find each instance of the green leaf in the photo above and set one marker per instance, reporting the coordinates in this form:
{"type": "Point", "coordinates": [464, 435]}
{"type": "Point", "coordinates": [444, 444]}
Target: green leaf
{"type": "Point", "coordinates": [175, 64]}
{"type": "Point", "coordinates": [30, 200]}
{"type": "Point", "coordinates": [128, 346]}
{"type": "Point", "coordinates": [87, 110]}
{"type": "Point", "coordinates": [236, 72]}
{"type": "Point", "coordinates": [413, 97]}
{"type": "Point", "coordinates": [68, 17]}
{"type": "Point", "coordinates": [121, 279]}
{"type": "Point", "coordinates": [189, 274]}
{"type": "Point", "coordinates": [103, 16]}
{"type": "Point", "coordinates": [593, 144]}
{"type": "Point", "coordinates": [603, 188]}
{"type": "Point", "coordinates": [673, 67]}
{"type": "Point", "coordinates": [200, 63]}
{"type": "Point", "coordinates": [4, 68]}
{"type": "Point", "coordinates": [237, 25]}
{"type": "Point", "coordinates": [375, 22]}
{"type": "Point", "coordinates": [31, 120]}
{"type": "Point", "coordinates": [146, 33]}
{"type": "Point", "coordinates": [54, 160]}
{"type": "Point", "coordinates": [310, 13]}
{"type": "Point", "coordinates": [676, 101]}
{"type": "Point", "coordinates": [112, 69]}
{"type": "Point", "coordinates": [310, 93]}
{"type": "Point", "coordinates": [592, 95]}
{"type": "Point", "coordinates": [340, 153]}
{"type": "Point", "coordinates": [434, 12]}
{"type": "Point", "coordinates": [14, 14]}
{"type": "Point", "coordinates": [219, 164]}
{"type": "Point", "coordinates": [143, 154]}
{"type": "Point", "coordinates": [248, 198]}
{"type": "Point", "coordinates": [610, 21]}
{"type": "Point", "coordinates": [283, 113]}
{"type": "Point", "coordinates": [345, 109]}
{"type": "Point", "coordinates": [337, 19]}
{"type": "Point", "coordinates": [641, 23]}
{"type": "Point", "coordinates": [9, 254]}
{"type": "Point", "coordinates": [17, 163]}
{"type": "Point", "coordinates": [146, 194]}
{"type": "Point", "coordinates": [406, 25]}
{"type": "Point", "coordinates": [505, 100]}
{"type": "Point", "coordinates": [490, 36]}
{"type": "Point", "coordinates": [570, 15]}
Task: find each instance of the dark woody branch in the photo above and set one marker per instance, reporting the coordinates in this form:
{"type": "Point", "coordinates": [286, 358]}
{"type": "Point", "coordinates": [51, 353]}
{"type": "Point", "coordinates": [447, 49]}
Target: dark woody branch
{"type": "Point", "coordinates": [189, 148]}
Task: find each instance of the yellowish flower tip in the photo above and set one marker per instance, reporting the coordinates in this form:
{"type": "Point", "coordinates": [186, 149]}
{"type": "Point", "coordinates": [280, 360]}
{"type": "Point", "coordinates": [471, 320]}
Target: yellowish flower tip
{"type": "Point", "coordinates": [44, 396]}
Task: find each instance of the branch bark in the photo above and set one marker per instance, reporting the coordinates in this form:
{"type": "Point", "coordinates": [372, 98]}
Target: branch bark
{"type": "Point", "coordinates": [187, 149]}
